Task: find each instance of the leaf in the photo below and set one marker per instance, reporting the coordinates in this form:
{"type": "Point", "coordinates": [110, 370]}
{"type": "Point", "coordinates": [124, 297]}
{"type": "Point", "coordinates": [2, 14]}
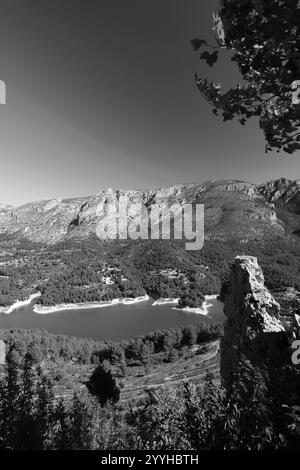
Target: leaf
{"type": "Point", "coordinates": [211, 59]}
{"type": "Point", "coordinates": [197, 43]}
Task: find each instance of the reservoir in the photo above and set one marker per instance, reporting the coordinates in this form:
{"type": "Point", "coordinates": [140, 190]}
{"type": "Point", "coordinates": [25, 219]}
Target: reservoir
{"type": "Point", "coordinates": [114, 322]}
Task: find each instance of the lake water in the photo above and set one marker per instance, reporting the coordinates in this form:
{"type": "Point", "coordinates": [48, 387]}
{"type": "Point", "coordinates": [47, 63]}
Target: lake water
{"type": "Point", "coordinates": [115, 322]}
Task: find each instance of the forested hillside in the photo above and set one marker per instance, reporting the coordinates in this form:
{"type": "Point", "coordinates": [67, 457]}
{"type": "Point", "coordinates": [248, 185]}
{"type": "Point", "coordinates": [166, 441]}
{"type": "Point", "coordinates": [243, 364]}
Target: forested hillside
{"type": "Point", "coordinates": [93, 271]}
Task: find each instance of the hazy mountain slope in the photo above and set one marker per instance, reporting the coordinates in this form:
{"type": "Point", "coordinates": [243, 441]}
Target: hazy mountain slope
{"type": "Point", "coordinates": [45, 221]}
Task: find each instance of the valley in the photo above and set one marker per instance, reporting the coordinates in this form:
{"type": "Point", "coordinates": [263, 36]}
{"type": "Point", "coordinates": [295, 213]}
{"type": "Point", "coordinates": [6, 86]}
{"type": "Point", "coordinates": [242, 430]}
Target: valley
{"type": "Point", "coordinates": [51, 247]}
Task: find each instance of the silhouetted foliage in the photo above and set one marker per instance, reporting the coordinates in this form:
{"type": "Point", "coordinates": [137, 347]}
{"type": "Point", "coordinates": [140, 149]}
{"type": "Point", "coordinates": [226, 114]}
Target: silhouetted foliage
{"type": "Point", "coordinates": [103, 385]}
{"type": "Point", "coordinates": [263, 37]}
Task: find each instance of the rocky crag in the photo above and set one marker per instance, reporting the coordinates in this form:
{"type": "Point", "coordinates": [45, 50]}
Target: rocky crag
{"type": "Point", "coordinates": [256, 332]}
{"type": "Point", "coordinates": [253, 328]}
{"type": "Point", "coordinates": [2, 352]}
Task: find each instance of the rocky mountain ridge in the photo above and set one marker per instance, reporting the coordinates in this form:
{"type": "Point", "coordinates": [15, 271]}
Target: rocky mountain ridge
{"type": "Point", "coordinates": [281, 190]}
{"type": "Point", "coordinates": [232, 208]}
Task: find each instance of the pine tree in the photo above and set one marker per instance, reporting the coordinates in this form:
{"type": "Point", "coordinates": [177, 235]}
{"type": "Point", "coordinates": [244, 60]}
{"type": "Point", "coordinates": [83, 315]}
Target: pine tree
{"type": "Point", "coordinates": [62, 439]}
{"type": "Point", "coordinates": [45, 412]}
{"type": "Point", "coordinates": [27, 435]}
{"type": "Point", "coordinates": [103, 385]}
{"type": "Point", "coordinates": [10, 401]}
{"type": "Point", "coordinates": [84, 419]}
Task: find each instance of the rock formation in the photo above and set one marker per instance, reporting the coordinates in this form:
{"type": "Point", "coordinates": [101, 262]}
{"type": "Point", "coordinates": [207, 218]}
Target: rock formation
{"type": "Point", "coordinates": [281, 190]}
{"type": "Point", "coordinates": [2, 352]}
{"type": "Point", "coordinates": [253, 328]}
{"type": "Point", "coordinates": [256, 333]}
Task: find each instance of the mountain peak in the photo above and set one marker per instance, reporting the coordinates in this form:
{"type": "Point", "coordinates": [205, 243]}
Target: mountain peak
{"type": "Point", "coordinates": [281, 190]}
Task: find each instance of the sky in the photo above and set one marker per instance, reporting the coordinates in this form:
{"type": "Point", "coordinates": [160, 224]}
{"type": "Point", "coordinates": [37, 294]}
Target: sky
{"type": "Point", "coordinates": [101, 93]}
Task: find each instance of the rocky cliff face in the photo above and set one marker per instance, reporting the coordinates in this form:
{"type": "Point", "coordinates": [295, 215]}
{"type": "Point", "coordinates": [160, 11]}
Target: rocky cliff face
{"type": "Point", "coordinates": [232, 208]}
{"type": "Point", "coordinates": [44, 221]}
{"type": "Point", "coordinates": [2, 352]}
{"type": "Point", "coordinates": [284, 195]}
{"type": "Point", "coordinates": [253, 329]}
{"type": "Point", "coordinates": [281, 190]}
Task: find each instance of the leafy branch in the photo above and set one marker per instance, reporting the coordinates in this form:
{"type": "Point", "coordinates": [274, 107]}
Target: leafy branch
{"type": "Point", "coordinates": [264, 37]}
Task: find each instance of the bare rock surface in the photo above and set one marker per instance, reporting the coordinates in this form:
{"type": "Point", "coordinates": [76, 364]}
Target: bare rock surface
{"type": "Point", "coordinates": [253, 328]}
{"type": "Point", "coordinates": [2, 352]}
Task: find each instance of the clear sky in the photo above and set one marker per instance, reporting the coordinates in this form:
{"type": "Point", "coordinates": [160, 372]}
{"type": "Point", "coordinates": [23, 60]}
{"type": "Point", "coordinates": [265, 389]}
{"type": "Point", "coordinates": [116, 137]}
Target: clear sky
{"type": "Point", "coordinates": [100, 93]}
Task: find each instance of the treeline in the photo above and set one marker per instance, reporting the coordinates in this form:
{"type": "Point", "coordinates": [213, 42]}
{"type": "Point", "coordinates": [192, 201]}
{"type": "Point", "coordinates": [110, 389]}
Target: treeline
{"type": "Point", "coordinates": [86, 351]}
{"type": "Point", "coordinates": [251, 417]}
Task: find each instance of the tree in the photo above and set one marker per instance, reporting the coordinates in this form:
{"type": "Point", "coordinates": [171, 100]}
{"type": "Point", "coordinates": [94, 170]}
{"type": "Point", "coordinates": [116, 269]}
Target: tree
{"type": "Point", "coordinates": [84, 422]}
{"type": "Point", "coordinates": [45, 413]}
{"type": "Point", "coordinates": [189, 337]}
{"type": "Point", "coordinates": [263, 37]}
{"type": "Point", "coordinates": [63, 436]}
{"type": "Point", "coordinates": [103, 385]}
{"type": "Point", "coordinates": [173, 355]}
{"type": "Point", "coordinates": [210, 418]}
{"type": "Point", "coordinates": [10, 401]}
{"type": "Point", "coordinates": [159, 423]}
{"type": "Point", "coordinates": [27, 417]}
{"type": "Point", "coordinates": [27, 429]}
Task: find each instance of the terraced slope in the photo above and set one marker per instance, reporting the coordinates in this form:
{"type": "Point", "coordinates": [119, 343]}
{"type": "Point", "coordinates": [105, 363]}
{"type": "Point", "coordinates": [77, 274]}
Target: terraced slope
{"type": "Point", "coordinates": [192, 366]}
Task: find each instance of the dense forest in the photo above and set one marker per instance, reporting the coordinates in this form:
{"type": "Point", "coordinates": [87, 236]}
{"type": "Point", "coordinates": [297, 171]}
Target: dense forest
{"type": "Point", "coordinates": [252, 416]}
{"type": "Point", "coordinates": [92, 271]}
{"type": "Point", "coordinates": [86, 351]}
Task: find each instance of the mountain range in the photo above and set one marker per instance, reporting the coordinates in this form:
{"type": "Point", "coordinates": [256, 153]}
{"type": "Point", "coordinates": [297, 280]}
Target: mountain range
{"type": "Point", "coordinates": [233, 209]}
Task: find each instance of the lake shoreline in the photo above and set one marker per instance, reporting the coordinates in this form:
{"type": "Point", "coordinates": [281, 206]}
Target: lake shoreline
{"type": "Point", "coordinates": [203, 310]}
{"type": "Point", "coordinates": [165, 301]}
{"type": "Point", "coordinates": [44, 310]}
{"type": "Point", "coordinates": [19, 304]}
{"type": "Point", "coordinates": [115, 321]}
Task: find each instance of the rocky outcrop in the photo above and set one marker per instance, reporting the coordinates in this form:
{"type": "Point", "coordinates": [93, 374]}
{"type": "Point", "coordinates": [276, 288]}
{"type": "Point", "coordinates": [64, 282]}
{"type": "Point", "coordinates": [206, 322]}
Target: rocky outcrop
{"type": "Point", "coordinates": [284, 194]}
{"type": "Point", "coordinates": [253, 329]}
{"type": "Point", "coordinates": [2, 352]}
{"type": "Point", "coordinates": [281, 190]}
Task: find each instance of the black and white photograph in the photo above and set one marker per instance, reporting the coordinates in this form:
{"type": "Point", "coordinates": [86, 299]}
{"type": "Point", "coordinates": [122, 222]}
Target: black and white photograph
{"type": "Point", "coordinates": [149, 228]}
